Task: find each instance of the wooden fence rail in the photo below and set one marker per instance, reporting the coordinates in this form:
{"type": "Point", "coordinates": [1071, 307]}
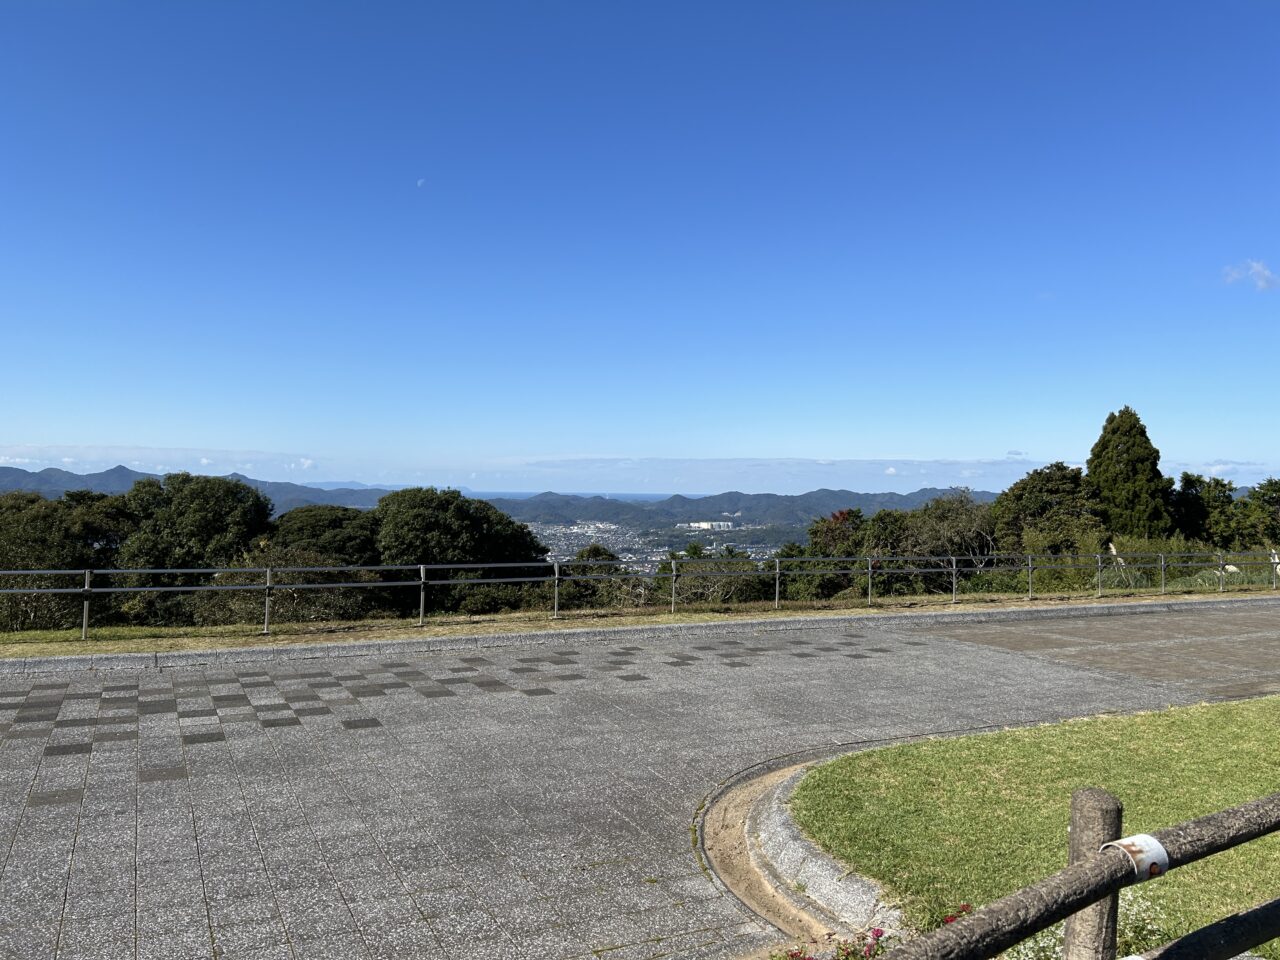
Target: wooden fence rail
{"type": "Point", "coordinates": [1099, 876]}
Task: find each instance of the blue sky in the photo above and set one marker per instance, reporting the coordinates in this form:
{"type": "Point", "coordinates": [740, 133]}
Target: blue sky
{"type": "Point", "coordinates": [503, 244]}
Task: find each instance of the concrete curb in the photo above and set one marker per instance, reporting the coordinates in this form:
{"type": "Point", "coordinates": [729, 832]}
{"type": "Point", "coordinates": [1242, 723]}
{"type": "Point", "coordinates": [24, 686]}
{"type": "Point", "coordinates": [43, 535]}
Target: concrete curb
{"type": "Point", "coordinates": [309, 651]}
{"type": "Point", "coordinates": [807, 877]}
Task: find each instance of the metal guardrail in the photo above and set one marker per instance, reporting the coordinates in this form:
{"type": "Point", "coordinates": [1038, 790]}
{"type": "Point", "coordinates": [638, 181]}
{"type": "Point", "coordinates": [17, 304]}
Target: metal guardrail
{"type": "Point", "coordinates": [1092, 881]}
{"type": "Point", "coordinates": [952, 571]}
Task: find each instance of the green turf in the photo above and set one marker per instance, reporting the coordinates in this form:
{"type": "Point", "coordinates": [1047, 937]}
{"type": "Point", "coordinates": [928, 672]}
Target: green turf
{"type": "Point", "coordinates": [943, 822]}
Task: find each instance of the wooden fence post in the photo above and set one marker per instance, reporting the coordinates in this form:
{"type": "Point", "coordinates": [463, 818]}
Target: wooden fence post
{"type": "Point", "coordinates": [1095, 819]}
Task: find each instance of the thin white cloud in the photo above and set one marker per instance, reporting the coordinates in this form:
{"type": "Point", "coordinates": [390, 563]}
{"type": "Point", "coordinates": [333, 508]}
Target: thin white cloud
{"type": "Point", "coordinates": [890, 471]}
{"type": "Point", "coordinates": [205, 462]}
{"type": "Point", "coordinates": [1255, 270]}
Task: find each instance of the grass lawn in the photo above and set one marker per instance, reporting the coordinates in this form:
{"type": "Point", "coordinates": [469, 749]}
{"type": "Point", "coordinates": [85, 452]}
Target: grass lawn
{"type": "Point", "coordinates": [944, 822]}
{"type": "Point", "coordinates": [124, 639]}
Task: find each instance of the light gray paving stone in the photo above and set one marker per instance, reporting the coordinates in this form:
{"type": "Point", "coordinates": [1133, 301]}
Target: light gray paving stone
{"type": "Point", "coordinates": [531, 825]}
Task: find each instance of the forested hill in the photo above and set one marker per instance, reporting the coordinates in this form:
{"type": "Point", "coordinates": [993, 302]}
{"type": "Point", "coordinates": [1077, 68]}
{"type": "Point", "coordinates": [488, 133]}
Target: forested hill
{"type": "Point", "coordinates": [769, 509]}
{"type": "Point", "coordinates": [53, 483]}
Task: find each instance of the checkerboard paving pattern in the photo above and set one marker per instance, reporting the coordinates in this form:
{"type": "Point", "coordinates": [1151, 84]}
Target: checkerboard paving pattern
{"type": "Point", "coordinates": [524, 801]}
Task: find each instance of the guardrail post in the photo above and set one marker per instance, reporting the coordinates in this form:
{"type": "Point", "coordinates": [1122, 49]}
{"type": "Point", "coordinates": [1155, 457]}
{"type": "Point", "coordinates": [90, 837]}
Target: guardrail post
{"type": "Point", "coordinates": [1030, 593]}
{"type": "Point", "coordinates": [869, 581]}
{"type": "Point", "coordinates": [777, 583]}
{"type": "Point", "coordinates": [1096, 818]}
{"type": "Point", "coordinates": [266, 607]}
{"type": "Point", "coordinates": [954, 584]}
{"type": "Point", "coordinates": [1098, 556]}
{"type": "Point", "coordinates": [422, 593]}
{"type": "Point", "coordinates": [84, 613]}
{"type": "Point", "coordinates": [673, 586]}
{"type": "Point", "coordinates": [1162, 574]}
{"type": "Point", "coordinates": [1222, 573]}
{"type": "Point", "coordinates": [555, 602]}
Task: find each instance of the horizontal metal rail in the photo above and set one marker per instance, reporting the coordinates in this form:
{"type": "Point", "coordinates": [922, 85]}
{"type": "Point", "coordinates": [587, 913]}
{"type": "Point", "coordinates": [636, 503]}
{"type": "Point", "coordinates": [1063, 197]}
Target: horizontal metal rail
{"type": "Point", "coordinates": [625, 569]}
{"type": "Point", "coordinates": [941, 572]}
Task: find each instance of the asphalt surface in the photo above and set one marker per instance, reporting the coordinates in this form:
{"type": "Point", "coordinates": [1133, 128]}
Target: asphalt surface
{"type": "Point", "coordinates": [528, 801]}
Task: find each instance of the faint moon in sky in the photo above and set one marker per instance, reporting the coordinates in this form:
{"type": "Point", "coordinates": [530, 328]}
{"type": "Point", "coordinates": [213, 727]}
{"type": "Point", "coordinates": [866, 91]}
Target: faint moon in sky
{"type": "Point", "coordinates": [421, 181]}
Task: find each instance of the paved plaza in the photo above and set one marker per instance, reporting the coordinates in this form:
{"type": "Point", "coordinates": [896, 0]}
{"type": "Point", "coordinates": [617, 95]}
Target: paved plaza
{"type": "Point", "coordinates": [529, 801]}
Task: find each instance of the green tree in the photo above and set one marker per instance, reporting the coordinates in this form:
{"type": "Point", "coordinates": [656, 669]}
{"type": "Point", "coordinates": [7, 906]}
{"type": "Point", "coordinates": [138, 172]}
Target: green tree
{"type": "Point", "coordinates": [1260, 520]}
{"type": "Point", "coordinates": [192, 521]}
{"type": "Point", "coordinates": [1190, 512]}
{"type": "Point", "coordinates": [887, 534]}
{"type": "Point", "coordinates": [709, 577]}
{"type": "Point", "coordinates": [1125, 480]}
{"type": "Point", "coordinates": [954, 525]}
{"type": "Point", "coordinates": [187, 522]}
{"type": "Point", "coordinates": [426, 525]}
{"type": "Point", "coordinates": [590, 566]}
{"type": "Point", "coordinates": [839, 535]}
{"type": "Point", "coordinates": [289, 604]}
{"type": "Point", "coordinates": [1048, 511]}
{"type": "Point", "coordinates": [36, 534]}
{"type": "Point", "coordinates": [842, 534]}
{"type": "Point", "coordinates": [1207, 509]}
{"type": "Point", "coordinates": [338, 535]}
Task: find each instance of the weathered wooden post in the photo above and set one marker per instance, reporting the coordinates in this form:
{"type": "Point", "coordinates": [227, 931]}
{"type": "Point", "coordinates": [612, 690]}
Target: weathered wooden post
{"type": "Point", "coordinates": [1096, 818]}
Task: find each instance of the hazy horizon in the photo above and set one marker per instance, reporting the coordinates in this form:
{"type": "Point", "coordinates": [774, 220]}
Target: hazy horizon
{"type": "Point", "coordinates": [605, 476]}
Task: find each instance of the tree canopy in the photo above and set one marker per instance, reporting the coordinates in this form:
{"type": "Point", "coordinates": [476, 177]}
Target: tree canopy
{"type": "Point", "coordinates": [337, 535]}
{"type": "Point", "coordinates": [193, 521]}
{"type": "Point", "coordinates": [1125, 480]}
{"type": "Point", "coordinates": [1050, 510]}
{"type": "Point", "coordinates": [426, 525]}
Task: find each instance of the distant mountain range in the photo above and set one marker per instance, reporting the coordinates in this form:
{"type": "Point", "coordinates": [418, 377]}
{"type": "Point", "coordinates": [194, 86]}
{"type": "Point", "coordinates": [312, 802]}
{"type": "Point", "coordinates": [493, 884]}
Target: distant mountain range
{"type": "Point", "coordinates": [768, 509]}
{"type": "Point", "coordinates": [53, 482]}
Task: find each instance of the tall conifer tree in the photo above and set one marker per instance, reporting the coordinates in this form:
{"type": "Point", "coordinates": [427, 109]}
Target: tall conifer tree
{"type": "Point", "coordinates": [1124, 477]}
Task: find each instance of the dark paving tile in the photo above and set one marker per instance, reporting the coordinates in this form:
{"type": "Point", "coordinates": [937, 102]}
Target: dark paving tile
{"type": "Point", "coordinates": [67, 749]}
{"type": "Point", "coordinates": [49, 798]}
{"type": "Point", "coordinates": [214, 736]}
